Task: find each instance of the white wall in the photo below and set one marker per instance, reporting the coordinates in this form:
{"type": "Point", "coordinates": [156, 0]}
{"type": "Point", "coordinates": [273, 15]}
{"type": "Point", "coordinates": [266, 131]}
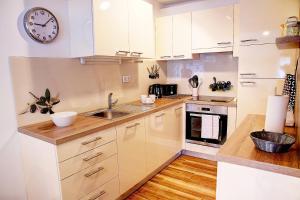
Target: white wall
{"type": "Point", "coordinates": [15, 42]}
{"type": "Point", "coordinates": [221, 65]}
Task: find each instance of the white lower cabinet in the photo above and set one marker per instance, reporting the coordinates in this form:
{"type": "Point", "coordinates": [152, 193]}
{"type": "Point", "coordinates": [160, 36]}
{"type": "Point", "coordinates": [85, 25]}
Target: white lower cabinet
{"type": "Point", "coordinates": [162, 135]}
{"type": "Point", "coordinates": [108, 191]}
{"type": "Point", "coordinates": [105, 164]}
{"type": "Point", "coordinates": [82, 183]}
{"type": "Point", "coordinates": [131, 140]}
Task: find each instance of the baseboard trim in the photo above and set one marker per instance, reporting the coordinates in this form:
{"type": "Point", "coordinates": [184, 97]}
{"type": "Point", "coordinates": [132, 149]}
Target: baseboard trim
{"type": "Point", "coordinates": [199, 155]}
{"type": "Point", "coordinates": [150, 176]}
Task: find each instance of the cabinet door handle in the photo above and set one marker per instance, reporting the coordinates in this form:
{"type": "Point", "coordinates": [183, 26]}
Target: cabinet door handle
{"type": "Point", "coordinates": [122, 53]}
{"type": "Point", "coordinates": [248, 82]}
{"type": "Point", "coordinates": [94, 172]}
{"type": "Point", "coordinates": [92, 156]}
{"type": "Point", "coordinates": [162, 114]}
{"type": "Point", "coordinates": [132, 126]}
{"type": "Point", "coordinates": [92, 140]}
{"type": "Point", "coordinates": [249, 40]}
{"type": "Point", "coordinates": [162, 57]}
{"type": "Point", "coordinates": [97, 195]}
{"type": "Point", "coordinates": [137, 54]}
{"type": "Point", "coordinates": [223, 43]}
{"type": "Point", "coordinates": [247, 74]}
{"type": "Point", "coordinates": [179, 56]}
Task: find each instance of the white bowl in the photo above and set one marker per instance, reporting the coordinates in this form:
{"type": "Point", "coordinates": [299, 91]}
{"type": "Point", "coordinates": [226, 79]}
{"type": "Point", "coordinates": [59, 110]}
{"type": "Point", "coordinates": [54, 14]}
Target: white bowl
{"type": "Point", "coordinates": [63, 119]}
{"type": "Point", "coordinates": [148, 100]}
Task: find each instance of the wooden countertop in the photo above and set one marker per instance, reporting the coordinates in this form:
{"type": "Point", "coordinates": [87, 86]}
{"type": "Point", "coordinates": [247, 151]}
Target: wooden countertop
{"type": "Point", "coordinates": [240, 150]}
{"type": "Point", "coordinates": [83, 125]}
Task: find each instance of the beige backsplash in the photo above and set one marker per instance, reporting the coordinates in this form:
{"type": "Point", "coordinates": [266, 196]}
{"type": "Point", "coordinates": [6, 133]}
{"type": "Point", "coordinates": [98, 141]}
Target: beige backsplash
{"type": "Point", "coordinates": [81, 87]}
{"type": "Point", "coordinates": [85, 87]}
{"type": "Point", "coordinates": [221, 65]}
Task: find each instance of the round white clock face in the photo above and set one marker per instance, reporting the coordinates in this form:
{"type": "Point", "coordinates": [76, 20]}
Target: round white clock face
{"type": "Point", "coordinates": [41, 25]}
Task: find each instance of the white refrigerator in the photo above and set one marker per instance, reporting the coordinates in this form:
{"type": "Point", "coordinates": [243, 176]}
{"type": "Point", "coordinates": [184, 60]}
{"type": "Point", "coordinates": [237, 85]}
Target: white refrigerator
{"type": "Point", "coordinates": [262, 71]}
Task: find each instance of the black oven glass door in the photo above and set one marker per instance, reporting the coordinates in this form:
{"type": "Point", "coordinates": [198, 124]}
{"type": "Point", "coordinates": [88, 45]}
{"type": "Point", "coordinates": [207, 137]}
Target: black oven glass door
{"type": "Point", "coordinates": [194, 127]}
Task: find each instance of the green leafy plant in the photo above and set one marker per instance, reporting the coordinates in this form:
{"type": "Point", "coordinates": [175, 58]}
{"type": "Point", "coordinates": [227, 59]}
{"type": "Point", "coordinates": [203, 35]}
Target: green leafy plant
{"type": "Point", "coordinates": [43, 103]}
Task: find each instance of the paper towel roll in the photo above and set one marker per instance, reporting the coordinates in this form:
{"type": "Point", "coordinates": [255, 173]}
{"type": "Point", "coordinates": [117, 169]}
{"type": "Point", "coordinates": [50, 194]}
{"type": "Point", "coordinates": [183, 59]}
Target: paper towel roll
{"type": "Point", "coordinates": [276, 113]}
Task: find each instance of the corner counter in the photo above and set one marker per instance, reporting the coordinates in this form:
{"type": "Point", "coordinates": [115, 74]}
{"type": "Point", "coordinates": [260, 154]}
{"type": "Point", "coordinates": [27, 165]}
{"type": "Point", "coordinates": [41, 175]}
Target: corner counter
{"type": "Point", "coordinates": [245, 172]}
{"type": "Point", "coordinates": [240, 149]}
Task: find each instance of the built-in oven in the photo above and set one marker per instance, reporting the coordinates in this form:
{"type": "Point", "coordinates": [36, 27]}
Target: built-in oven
{"type": "Point", "coordinates": [206, 124]}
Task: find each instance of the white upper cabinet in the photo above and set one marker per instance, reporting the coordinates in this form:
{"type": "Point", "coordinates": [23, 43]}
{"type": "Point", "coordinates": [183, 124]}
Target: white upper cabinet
{"type": "Point", "coordinates": [122, 28]}
{"type": "Point", "coordinates": [266, 61]}
{"type": "Point", "coordinates": [212, 30]}
{"type": "Point", "coordinates": [111, 31]}
{"type": "Point", "coordinates": [164, 37]}
{"type": "Point", "coordinates": [182, 36]}
{"type": "Point", "coordinates": [173, 37]}
{"type": "Point", "coordinates": [260, 19]}
{"type": "Point", "coordinates": [141, 29]}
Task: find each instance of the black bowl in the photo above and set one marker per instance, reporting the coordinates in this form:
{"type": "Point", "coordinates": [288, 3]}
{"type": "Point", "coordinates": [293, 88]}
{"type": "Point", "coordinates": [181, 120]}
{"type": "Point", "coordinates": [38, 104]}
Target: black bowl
{"type": "Point", "coordinates": [272, 142]}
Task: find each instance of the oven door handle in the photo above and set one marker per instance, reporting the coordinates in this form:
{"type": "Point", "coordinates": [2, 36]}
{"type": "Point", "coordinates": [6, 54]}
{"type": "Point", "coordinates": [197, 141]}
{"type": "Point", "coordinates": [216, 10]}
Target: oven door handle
{"type": "Point", "coordinates": [195, 115]}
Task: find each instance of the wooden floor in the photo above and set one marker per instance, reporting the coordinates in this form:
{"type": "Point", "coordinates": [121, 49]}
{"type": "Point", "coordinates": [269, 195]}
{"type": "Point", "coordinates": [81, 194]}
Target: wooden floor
{"type": "Point", "coordinates": [186, 178]}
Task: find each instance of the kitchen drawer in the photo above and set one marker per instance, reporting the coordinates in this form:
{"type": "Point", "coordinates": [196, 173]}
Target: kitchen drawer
{"type": "Point", "coordinates": [108, 191]}
{"type": "Point", "coordinates": [81, 145]}
{"type": "Point", "coordinates": [88, 180]}
{"type": "Point", "coordinates": [87, 159]}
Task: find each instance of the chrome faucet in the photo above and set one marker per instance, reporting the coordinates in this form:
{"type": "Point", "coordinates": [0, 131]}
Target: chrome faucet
{"type": "Point", "coordinates": [110, 101]}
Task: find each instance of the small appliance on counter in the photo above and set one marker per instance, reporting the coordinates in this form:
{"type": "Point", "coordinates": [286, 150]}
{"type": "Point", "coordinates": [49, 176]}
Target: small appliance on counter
{"type": "Point", "coordinates": [155, 89]}
{"type": "Point", "coordinates": [163, 90]}
{"type": "Point", "coordinates": [169, 89]}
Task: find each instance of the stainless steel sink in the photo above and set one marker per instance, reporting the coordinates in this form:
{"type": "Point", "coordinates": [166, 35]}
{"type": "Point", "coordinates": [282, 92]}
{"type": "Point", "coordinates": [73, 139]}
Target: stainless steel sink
{"type": "Point", "coordinates": [106, 114]}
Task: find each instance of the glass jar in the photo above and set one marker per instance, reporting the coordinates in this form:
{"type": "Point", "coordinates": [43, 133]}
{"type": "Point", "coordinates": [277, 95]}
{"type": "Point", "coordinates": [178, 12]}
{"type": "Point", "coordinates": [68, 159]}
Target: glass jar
{"type": "Point", "coordinates": [292, 26]}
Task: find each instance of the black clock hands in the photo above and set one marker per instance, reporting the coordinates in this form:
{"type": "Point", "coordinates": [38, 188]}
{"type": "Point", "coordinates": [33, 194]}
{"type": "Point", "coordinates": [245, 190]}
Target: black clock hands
{"type": "Point", "coordinates": [38, 24]}
{"type": "Point", "coordinates": [47, 22]}
{"type": "Point", "coordinates": [43, 25]}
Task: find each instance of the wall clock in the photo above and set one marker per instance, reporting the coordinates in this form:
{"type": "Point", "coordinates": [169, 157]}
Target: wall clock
{"type": "Point", "coordinates": [41, 25]}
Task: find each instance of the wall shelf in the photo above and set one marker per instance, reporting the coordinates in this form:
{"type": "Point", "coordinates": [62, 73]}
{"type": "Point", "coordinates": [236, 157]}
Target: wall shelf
{"type": "Point", "coordinates": [288, 42]}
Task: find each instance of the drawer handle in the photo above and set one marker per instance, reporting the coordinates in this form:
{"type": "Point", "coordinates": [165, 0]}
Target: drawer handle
{"type": "Point", "coordinates": [162, 57]}
{"type": "Point", "coordinates": [223, 43]}
{"type": "Point", "coordinates": [132, 126]}
{"type": "Point", "coordinates": [92, 140]}
{"type": "Point", "coordinates": [249, 40]}
{"type": "Point", "coordinates": [162, 114]}
{"type": "Point", "coordinates": [179, 56]}
{"type": "Point", "coordinates": [93, 156]}
{"type": "Point", "coordinates": [97, 195]}
{"type": "Point", "coordinates": [94, 172]}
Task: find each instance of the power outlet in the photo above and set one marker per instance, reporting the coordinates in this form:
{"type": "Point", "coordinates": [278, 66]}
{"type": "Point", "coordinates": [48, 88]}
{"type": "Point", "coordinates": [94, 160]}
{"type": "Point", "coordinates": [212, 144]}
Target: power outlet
{"type": "Point", "coordinates": [125, 79]}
